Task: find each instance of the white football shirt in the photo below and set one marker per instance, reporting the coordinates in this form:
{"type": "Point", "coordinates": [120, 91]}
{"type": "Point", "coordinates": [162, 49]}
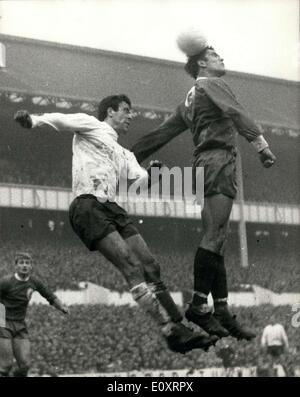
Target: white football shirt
{"type": "Point", "coordinates": [99, 161]}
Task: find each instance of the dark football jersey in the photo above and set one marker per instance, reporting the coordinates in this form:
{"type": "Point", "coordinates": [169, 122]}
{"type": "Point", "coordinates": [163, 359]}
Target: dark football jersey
{"type": "Point", "coordinates": [213, 115]}
{"type": "Point", "coordinates": [15, 295]}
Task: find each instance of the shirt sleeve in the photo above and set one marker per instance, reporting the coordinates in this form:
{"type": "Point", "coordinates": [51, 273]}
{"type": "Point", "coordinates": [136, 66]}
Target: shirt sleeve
{"type": "Point", "coordinates": [76, 122]}
{"type": "Point", "coordinates": [159, 137]}
{"type": "Point", "coordinates": [133, 170]}
{"type": "Point", "coordinates": [44, 291]}
{"type": "Point", "coordinates": [222, 96]}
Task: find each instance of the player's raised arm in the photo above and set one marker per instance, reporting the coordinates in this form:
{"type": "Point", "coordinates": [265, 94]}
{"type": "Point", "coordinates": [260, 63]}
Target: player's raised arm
{"type": "Point", "coordinates": [219, 92]}
{"type": "Point", "coordinates": [156, 139]}
{"type": "Point", "coordinates": [76, 122]}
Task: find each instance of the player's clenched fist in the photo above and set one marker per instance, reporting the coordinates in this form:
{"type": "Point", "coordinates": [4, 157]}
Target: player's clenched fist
{"type": "Point", "coordinates": [155, 164]}
{"type": "Point", "coordinates": [23, 118]}
{"type": "Point", "coordinates": [267, 157]}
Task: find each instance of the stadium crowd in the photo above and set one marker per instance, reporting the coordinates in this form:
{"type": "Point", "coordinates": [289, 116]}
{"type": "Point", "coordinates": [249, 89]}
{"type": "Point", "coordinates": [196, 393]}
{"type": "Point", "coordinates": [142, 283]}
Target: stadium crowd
{"type": "Point", "coordinates": [101, 338]}
{"type": "Point", "coordinates": [56, 172]}
{"type": "Point", "coordinates": [63, 265]}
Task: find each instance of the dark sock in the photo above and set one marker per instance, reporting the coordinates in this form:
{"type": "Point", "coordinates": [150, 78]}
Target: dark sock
{"type": "Point", "coordinates": [220, 306]}
{"type": "Point", "coordinates": [199, 300]}
{"type": "Point", "coordinates": [21, 372]}
{"type": "Point", "coordinates": [205, 267]}
{"type": "Point", "coordinates": [219, 289]}
{"type": "Point", "coordinates": [166, 300]}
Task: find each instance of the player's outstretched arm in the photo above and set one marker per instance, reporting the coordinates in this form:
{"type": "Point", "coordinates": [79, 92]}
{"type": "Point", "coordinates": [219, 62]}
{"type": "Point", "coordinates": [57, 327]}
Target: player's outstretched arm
{"type": "Point", "coordinates": [50, 296]}
{"type": "Point", "coordinates": [74, 122]}
{"type": "Point", "coordinates": [220, 93]}
{"type": "Point", "coordinates": [156, 139]}
{"type": "Point", "coordinates": [57, 303]}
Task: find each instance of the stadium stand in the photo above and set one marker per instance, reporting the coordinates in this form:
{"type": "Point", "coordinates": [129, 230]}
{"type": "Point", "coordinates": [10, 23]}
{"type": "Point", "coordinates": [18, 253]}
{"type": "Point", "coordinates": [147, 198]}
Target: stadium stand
{"type": "Point", "coordinates": [84, 342]}
{"type": "Point", "coordinates": [63, 264]}
{"type": "Point", "coordinates": [45, 158]}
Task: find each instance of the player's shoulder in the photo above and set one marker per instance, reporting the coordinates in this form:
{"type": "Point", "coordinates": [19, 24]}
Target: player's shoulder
{"type": "Point", "coordinates": [128, 154]}
{"type": "Point", "coordinates": [210, 84]}
{"type": "Point", "coordinates": [7, 279]}
{"type": "Point", "coordinates": [85, 116]}
{"type": "Point", "coordinates": [216, 82]}
{"type": "Point", "coordinates": [35, 280]}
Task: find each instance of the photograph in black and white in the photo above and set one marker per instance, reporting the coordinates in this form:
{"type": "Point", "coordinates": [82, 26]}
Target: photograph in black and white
{"type": "Point", "coordinates": [149, 189]}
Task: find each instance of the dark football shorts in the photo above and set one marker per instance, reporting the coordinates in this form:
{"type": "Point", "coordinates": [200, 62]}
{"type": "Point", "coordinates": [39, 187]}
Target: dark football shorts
{"type": "Point", "coordinates": [275, 350]}
{"type": "Point", "coordinates": [14, 330]}
{"type": "Point", "coordinates": [219, 172]}
{"type": "Point", "coordinates": [92, 220]}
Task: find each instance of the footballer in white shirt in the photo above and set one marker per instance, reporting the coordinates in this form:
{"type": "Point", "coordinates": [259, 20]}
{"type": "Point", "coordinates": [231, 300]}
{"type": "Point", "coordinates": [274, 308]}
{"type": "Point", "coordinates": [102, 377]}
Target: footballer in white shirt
{"type": "Point", "coordinates": [99, 162]}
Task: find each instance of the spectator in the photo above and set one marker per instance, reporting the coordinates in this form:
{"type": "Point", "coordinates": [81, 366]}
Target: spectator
{"type": "Point", "coordinates": [274, 339]}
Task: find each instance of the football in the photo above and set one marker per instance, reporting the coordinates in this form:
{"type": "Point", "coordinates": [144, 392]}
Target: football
{"type": "Point", "coordinates": [191, 41]}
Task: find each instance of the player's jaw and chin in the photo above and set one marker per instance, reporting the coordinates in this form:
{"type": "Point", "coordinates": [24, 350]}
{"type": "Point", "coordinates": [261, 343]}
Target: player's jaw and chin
{"type": "Point", "coordinates": [217, 69]}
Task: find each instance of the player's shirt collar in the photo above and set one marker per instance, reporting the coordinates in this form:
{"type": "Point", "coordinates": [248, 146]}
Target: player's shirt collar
{"type": "Point", "coordinates": [21, 279]}
{"type": "Point", "coordinates": [201, 78]}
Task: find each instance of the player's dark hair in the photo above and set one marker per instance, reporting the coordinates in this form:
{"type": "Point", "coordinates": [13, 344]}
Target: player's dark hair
{"type": "Point", "coordinates": [22, 255]}
{"type": "Point", "coordinates": [112, 101]}
{"type": "Point", "coordinates": [192, 67]}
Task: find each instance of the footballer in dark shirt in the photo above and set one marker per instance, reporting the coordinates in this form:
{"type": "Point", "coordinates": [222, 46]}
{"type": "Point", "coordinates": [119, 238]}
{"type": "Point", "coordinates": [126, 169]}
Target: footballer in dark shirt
{"type": "Point", "coordinates": [15, 293]}
{"type": "Point", "coordinates": [214, 116]}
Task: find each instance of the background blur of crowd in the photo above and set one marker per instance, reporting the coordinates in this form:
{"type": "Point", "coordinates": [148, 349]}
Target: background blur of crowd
{"type": "Point", "coordinates": [64, 264]}
{"type": "Point", "coordinates": [101, 338]}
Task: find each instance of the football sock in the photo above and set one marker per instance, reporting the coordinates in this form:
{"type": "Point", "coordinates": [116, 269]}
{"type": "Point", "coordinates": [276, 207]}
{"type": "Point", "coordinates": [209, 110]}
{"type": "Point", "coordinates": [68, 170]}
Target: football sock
{"type": "Point", "coordinates": [219, 289]}
{"type": "Point", "coordinates": [205, 267]}
{"type": "Point", "coordinates": [147, 300]}
{"type": "Point", "coordinates": [166, 300]}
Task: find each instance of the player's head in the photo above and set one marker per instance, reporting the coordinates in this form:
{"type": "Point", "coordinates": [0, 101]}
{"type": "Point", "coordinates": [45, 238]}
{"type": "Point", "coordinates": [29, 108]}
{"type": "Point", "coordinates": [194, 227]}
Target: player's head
{"type": "Point", "coordinates": [206, 63]}
{"type": "Point", "coordinates": [23, 263]}
{"type": "Point", "coordinates": [116, 111]}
